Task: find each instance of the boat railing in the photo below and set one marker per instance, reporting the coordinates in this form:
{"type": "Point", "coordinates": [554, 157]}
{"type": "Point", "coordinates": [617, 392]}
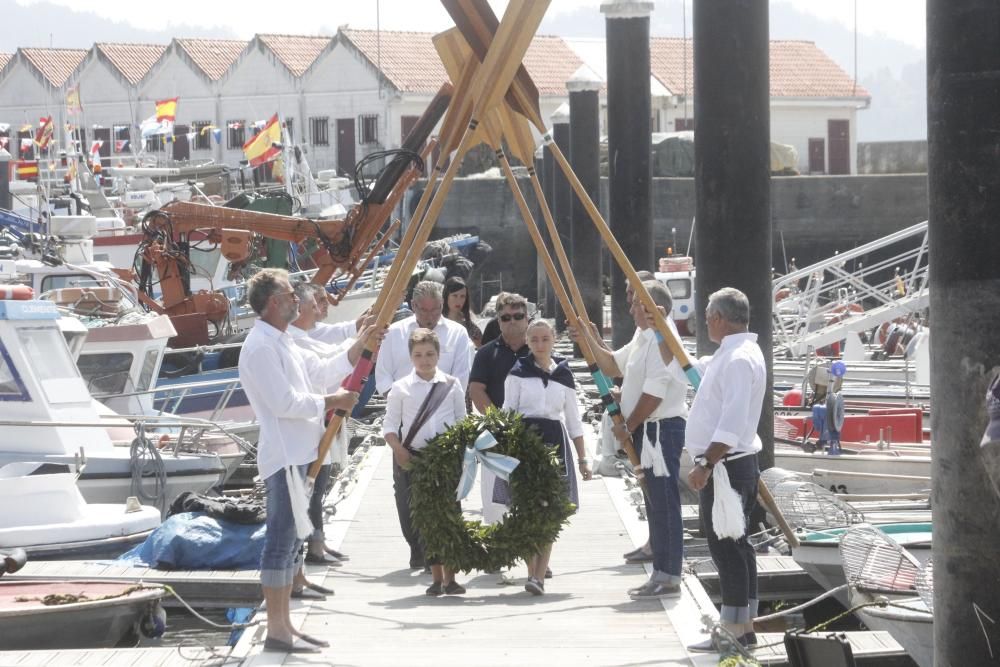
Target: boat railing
{"type": "Point", "coordinates": [173, 395]}
{"type": "Point", "coordinates": [843, 288]}
{"type": "Point", "coordinates": [183, 425]}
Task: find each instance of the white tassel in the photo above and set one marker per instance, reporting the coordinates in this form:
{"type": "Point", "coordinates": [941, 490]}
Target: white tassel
{"type": "Point", "coordinates": [299, 497]}
{"type": "Point", "coordinates": [727, 510]}
{"type": "Point", "coordinates": [652, 456]}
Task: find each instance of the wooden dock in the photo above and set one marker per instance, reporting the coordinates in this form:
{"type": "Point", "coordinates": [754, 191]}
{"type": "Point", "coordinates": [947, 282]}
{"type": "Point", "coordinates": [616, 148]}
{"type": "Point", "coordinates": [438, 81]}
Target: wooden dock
{"type": "Point", "coordinates": [166, 656]}
{"type": "Point", "coordinates": [778, 578]}
{"type": "Point", "coordinates": [199, 588]}
{"type": "Point", "coordinates": [381, 616]}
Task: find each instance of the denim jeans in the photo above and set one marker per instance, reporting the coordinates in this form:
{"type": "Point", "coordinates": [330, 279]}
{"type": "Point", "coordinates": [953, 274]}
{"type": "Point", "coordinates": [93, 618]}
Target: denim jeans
{"type": "Point", "coordinates": [663, 499]}
{"type": "Point", "coordinates": [735, 559]}
{"type": "Point", "coordinates": [282, 554]}
{"type": "Point", "coordinates": [316, 504]}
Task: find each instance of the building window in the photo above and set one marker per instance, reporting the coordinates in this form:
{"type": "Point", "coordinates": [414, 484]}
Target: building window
{"type": "Point", "coordinates": [319, 131]}
{"type": "Point", "coordinates": [235, 134]}
{"type": "Point", "coordinates": [369, 129]}
{"type": "Point", "coordinates": [154, 143]}
{"type": "Point", "coordinates": [122, 137]}
{"type": "Point", "coordinates": [202, 140]}
{"type": "Point", "coordinates": [682, 124]}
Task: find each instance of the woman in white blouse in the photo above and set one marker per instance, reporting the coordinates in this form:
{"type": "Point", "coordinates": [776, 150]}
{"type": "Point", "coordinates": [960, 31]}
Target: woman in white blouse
{"type": "Point", "coordinates": [542, 389]}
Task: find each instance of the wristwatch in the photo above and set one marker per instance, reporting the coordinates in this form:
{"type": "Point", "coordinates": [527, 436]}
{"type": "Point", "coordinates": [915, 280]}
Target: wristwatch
{"type": "Point", "coordinates": [704, 463]}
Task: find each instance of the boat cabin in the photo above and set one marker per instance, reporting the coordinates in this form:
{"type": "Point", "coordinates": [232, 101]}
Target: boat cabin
{"type": "Point", "coordinates": [40, 383]}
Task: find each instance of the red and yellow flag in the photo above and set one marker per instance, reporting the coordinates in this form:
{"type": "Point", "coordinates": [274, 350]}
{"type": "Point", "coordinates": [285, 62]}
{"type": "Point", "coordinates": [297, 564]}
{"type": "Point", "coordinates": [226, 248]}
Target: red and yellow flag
{"type": "Point", "coordinates": [27, 171]}
{"type": "Point", "coordinates": [44, 133]}
{"type": "Point", "coordinates": [166, 109]}
{"type": "Point", "coordinates": [266, 146]}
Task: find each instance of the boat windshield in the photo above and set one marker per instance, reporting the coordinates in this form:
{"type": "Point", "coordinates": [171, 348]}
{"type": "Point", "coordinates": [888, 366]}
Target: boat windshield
{"type": "Point", "coordinates": [46, 349]}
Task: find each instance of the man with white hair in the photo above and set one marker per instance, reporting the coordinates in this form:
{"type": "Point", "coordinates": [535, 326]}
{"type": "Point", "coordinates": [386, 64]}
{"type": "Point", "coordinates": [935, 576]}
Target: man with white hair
{"type": "Point", "coordinates": [394, 364]}
{"type": "Point", "coordinates": [300, 330]}
{"type": "Point", "coordinates": [722, 433]}
{"type": "Point", "coordinates": [279, 379]}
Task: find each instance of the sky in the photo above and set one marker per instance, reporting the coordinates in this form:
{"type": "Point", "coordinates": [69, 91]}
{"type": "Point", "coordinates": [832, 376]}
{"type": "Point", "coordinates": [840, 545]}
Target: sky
{"type": "Point", "coordinates": [899, 19]}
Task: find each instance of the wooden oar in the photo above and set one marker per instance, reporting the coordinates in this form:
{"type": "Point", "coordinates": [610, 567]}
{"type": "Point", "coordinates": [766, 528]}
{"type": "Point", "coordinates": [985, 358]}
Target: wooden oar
{"type": "Point", "coordinates": [513, 36]}
{"type": "Point", "coordinates": [360, 267]}
{"type": "Point", "coordinates": [564, 300]}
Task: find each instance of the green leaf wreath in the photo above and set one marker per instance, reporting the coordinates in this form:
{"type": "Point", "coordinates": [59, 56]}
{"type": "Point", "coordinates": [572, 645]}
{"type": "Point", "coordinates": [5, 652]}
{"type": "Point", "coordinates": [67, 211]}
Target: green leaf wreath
{"type": "Point", "coordinates": [540, 506]}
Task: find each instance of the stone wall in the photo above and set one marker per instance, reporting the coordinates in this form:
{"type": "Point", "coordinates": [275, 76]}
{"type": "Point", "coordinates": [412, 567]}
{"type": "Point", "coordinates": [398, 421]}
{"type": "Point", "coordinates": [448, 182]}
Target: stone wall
{"type": "Point", "coordinates": [814, 217]}
{"type": "Point", "coordinates": [892, 157]}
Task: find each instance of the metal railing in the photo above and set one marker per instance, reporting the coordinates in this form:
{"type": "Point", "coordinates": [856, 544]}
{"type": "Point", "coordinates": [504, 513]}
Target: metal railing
{"type": "Point", "coordinates": [819, 304]}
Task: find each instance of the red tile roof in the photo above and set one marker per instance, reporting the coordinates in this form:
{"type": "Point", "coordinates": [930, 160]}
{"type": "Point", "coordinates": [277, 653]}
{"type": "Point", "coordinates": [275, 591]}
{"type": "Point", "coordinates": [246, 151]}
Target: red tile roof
{"type": "Point", "coordinates": [213, 57]}
{"type": "Point", "coordinates": [5, 58]}
{"type": "Point", "coordinates": [798, 69]}
{"type": "Point", "coordinates": [411, 64]}
{"type": "Point", "coordinates": [55, 64]}
{"type": "Point", "coordinates": [132, 60]}
{"type": "Point", "coordinates": [296, 52]}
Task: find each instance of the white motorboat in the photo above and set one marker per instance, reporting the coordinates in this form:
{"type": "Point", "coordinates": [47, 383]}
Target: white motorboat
{"type": "Point", "coordinates": [49, 417]}
{"type": "Point", "coordinates": [53, 521]}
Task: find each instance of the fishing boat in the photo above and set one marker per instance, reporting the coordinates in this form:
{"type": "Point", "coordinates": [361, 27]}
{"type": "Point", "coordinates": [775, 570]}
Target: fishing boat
{"type": "Point", "coordinates": [892, 589]}
{"type": "Point", "coordinates": [54, 522]}
{"type": "Point", "coordinates": [56, 615]}
{"type": "Point", "coordinates": [50, 417]}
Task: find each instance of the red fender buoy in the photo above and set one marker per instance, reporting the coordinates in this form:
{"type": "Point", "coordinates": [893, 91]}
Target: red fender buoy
{"type": "Point", "coordinates": [17, 292]}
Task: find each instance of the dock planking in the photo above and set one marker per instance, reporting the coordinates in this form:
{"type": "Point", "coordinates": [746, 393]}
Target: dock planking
{"type": "Point", "coordinates": [166, 656]}
{"type": "Point", "coordinates": [380, 612]}
{"type": "Point", "coordinates": [778, 578]}
{"type": "Point", "coordinates": [200, 588]}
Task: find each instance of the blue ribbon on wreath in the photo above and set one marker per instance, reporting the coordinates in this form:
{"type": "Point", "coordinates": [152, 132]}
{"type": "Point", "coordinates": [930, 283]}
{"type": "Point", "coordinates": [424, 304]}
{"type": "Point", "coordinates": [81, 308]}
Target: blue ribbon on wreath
{"type": "Point", "coordinates": [500, 465]}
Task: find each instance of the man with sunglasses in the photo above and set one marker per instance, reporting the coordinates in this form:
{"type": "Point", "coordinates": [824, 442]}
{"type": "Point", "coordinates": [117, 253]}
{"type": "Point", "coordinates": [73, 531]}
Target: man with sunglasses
{"type": "Point", "coordinates": [489, 372]}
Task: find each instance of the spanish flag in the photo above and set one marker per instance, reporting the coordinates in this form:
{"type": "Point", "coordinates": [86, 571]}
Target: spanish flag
{"type": "Point", "coordinates": [166, 109]}
{"type": "Point", "coordinates": [27, 171]}
{"type": "Point", "coordinates": [44, 133]}
{"type": "Point", "coordinates": [265, 146]}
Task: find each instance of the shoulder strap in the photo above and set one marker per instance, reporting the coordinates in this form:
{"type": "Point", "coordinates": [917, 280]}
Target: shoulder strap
{"type": "Point", "coordinates": [435, 397]}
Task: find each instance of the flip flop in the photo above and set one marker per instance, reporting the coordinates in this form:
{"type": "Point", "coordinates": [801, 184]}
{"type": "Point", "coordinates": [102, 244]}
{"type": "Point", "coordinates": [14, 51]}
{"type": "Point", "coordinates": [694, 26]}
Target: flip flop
{"type": "Point", "coordinates": [336, 554]}
{"type": "Point", "coordinates": [307, 594]}
{"type": "Point", "coordinates": [288, 647]}
{"type": "Point", "coordinates": [319, 589]}
{"type": "Point", "coordinates": [313, 640]}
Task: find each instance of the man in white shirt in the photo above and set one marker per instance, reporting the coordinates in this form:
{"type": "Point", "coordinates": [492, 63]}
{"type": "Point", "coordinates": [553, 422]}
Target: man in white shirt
{"type": "Point", "coordinates": [279, 379]}
{"type": "Point", "coordinates": [653, 402]}
{"type": "Point", "coordinates": [722, 430]}
{"type": "Point", "coordinates": [299, 330]}
{"type": "Point", "coordinates": [456, 348]}
{"type": "Point", "coordinates": [340, 332]}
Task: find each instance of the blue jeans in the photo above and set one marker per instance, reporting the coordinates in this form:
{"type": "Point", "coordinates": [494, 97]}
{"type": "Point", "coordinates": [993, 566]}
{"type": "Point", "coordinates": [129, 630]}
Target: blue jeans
{"type": "Point", "coordinates": [663, 499]}
{"type": "Point", "coordinates": [316, 504]}
{"type": "Point", "coordinates": [735, 559]}
{"type": "Point", "coordinates": [282, 554]}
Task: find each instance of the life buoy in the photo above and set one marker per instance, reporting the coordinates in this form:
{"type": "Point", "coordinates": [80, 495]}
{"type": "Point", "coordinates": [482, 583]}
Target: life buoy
{"type": "Point", "coordinates": [841, 313]}
{"type": "Point", "coordinates": [17, 292]}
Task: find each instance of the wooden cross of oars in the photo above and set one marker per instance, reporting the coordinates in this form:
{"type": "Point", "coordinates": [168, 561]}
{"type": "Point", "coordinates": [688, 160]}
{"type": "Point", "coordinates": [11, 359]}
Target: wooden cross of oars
{"type": "Point", "coordinates": [459, 60]}
{"type": "Point", "coordinates": [512, 37]}
{"type": "Point", "coordinates": [477, 23]}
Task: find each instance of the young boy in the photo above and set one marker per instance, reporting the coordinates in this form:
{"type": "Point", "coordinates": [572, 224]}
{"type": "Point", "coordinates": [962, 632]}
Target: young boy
{"type": "Point", "coordinates": [411, 419]}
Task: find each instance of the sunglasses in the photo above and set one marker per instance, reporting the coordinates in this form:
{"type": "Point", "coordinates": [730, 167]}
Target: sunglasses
{"type": "Point", "coordinates": [515, 316]}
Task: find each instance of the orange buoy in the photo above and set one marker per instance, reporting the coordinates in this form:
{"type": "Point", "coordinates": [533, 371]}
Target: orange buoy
{"type": "Point", "coordinates": [792, 398]}
{"type": "Point", "coordinates": [17, 292]}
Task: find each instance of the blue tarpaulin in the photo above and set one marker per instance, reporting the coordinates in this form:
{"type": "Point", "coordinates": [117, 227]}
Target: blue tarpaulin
{"type": "Point", "coordinates": [196, 541]}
